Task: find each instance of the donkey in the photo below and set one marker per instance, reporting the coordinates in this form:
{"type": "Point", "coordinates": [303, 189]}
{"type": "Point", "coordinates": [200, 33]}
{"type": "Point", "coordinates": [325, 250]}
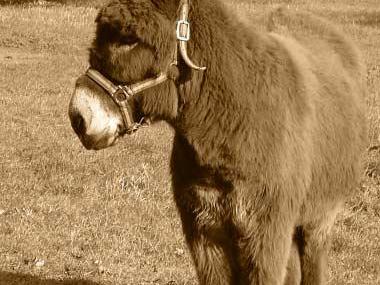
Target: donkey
{"type": "Point", "coordinates": [269, 128]}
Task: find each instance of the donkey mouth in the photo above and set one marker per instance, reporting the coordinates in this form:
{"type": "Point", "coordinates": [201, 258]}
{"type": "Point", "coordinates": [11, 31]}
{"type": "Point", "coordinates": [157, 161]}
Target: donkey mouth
{"type": "Point", "coordinates": [101, 141]}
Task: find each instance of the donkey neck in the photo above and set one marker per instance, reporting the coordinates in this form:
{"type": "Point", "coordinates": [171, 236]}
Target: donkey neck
{"type": "Point", "coordinates": [218, 102]}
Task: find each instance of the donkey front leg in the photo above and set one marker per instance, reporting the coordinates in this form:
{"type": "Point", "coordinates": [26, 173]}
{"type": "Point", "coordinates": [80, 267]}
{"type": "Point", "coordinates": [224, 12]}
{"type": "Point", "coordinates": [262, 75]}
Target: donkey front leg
{"type": "Point", "coordinates": [293, 275]}
{"type": "Point", "coordinates": [212, 251]}
{"type": "Point", "coordinates": [315, 238]}
{"type": "Point", "coordinates": [265, 262]}
{"type": "Point", "coordinates": [266, 245]}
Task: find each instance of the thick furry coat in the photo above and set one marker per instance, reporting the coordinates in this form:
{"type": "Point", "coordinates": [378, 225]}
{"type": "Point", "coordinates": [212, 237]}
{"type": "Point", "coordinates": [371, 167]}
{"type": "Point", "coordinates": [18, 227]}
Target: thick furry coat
{"type": "Point", "coordinates": [267, 141]}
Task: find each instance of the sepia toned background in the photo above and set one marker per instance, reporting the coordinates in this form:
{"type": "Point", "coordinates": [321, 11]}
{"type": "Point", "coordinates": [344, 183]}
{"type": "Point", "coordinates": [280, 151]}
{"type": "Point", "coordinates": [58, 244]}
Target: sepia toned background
{"type": "Point", "coordinates": [71, 216]}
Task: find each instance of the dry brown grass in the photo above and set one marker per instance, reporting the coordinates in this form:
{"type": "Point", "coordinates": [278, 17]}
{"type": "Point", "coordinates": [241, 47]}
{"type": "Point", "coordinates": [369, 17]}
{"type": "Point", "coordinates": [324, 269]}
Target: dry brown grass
{"type": "Point", "coordinates": [108, 217]}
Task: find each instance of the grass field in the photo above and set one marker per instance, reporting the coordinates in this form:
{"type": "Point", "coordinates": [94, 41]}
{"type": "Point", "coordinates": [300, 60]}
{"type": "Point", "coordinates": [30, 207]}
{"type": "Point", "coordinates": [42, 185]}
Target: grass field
{"type": "Point", "coordinates": [71, 216]}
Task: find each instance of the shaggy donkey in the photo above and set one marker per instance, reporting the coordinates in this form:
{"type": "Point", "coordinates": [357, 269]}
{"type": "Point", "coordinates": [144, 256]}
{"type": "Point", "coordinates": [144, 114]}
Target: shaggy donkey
{"type": "Point", "coordinates": [268, 137]}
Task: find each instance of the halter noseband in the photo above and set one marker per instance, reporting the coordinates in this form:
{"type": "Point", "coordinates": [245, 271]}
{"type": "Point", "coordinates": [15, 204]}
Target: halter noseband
{"type": "Point", "coordinates": [120, 94]}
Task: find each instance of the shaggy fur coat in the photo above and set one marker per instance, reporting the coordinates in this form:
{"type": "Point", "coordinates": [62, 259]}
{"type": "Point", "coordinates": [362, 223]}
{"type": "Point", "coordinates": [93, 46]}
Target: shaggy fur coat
{"type": "Point", "coordinates": [268, 139]}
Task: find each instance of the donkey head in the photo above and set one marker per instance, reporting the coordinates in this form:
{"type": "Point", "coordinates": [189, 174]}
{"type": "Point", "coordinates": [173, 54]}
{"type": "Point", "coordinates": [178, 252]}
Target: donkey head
{"type": "Point", "coordinates": [133, 57]}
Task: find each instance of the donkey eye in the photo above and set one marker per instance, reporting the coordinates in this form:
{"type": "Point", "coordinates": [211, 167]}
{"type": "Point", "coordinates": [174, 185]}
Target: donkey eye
{"type": "Point", "coordinates": [129, 40]}
{"type": "Point", "coordinates": [127, 43]}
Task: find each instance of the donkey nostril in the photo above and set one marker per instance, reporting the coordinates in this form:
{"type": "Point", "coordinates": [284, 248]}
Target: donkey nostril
{"type": "Point", "coordinates": [78, 124]}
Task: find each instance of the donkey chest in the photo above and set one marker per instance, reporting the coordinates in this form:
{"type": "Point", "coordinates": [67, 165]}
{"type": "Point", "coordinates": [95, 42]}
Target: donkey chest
{"type": "Point", "coordinates": [208, 207]}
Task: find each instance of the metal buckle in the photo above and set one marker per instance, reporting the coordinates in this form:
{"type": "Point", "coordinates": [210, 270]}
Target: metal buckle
{"type": "Point", "coordinates": [127, 90]}
{"type": "Point", "coordinates": [122, 94]}
{"type": "Point", "coordinates": [135, 126]}
{"type": "Point", "coordinates": [179, 30]}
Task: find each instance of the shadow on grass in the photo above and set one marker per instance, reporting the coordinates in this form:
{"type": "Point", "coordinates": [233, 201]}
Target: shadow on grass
{"type": "Point", "coordinates": [8, 278]}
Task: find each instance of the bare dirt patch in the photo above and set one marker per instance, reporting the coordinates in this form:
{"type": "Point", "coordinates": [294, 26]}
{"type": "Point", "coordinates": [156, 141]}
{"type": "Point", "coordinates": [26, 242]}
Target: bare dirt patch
{"type": "Point", "coordinates": [17, 56]}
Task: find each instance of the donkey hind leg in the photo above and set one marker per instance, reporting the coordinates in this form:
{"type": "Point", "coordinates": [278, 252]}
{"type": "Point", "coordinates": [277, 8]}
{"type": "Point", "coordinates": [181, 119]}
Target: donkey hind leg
{"type": "Point", "coordinates": [314, 247]}
{"type": "Point", "coordinates": [293, 272]}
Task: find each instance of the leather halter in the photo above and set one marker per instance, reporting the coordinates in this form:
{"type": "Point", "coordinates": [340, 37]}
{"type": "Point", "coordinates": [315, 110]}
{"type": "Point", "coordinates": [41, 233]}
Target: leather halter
{"type": "Point", "coordinates": [120, 94]}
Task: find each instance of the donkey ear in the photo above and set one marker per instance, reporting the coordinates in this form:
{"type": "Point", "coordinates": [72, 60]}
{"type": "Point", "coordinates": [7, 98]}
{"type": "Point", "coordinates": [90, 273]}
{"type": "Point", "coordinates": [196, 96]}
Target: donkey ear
{"type": "Point", "coordinates": [113, 15]}
{"type": "Point", "coordinates": [116, 23]}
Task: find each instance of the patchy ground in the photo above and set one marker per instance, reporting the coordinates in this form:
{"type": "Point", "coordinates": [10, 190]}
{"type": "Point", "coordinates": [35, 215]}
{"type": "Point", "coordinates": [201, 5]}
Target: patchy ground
{"type": "Point", "coordinates": [70, 216]}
